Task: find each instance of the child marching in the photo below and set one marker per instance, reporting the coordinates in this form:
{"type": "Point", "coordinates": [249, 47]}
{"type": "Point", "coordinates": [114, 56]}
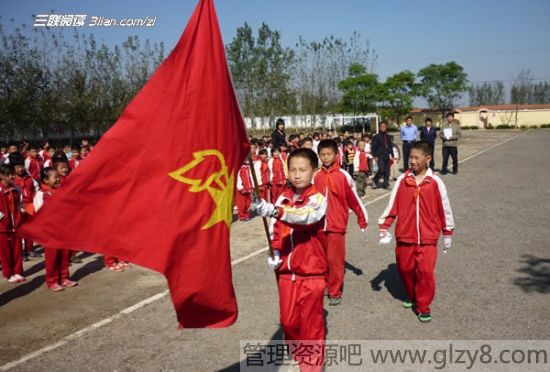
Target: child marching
{"type": "Point", "coordinates": [421, 206]}
{"type": "Point", "coordinates": [299, 255]}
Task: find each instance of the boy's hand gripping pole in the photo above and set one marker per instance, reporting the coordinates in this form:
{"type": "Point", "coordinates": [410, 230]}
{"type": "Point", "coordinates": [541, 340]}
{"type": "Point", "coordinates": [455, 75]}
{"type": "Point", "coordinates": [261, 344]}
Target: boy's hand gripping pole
{"type": "Point", "coordinates": [257, 195]}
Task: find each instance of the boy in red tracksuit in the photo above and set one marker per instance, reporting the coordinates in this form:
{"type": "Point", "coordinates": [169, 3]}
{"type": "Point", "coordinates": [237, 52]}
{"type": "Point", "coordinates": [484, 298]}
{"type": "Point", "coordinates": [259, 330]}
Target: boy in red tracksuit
{"type": "Point", "coordinates": [277, 171]}
{"type": "Point", "coordinates": [27, 187]}
{"type": "Point", "coordinates": [261, 167]}
{"type": "Point", "coordinates": [57, 260]}
{"type": "Point", "coordinates": [361, 167]}
{"type": "Point", "coordinates": [10, 217]}
{"type": "Point", "coordinates": [32, 164]}
{"type": "Point", "coordinates": [299, 257]}
{"type": "Point", "coordinates": [245, 188]}
{"type": "Point", "coordinates": [419, 202]}
{"type": "Point", "coordinates": [338, 187]}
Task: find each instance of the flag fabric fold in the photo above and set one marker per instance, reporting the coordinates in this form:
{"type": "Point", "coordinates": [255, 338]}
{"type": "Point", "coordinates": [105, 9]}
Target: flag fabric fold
{"type": "Point", "coordinates": [157, 190]}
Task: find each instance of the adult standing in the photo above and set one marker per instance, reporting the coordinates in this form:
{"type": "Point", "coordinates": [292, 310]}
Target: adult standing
{"type": "Point", "coordinates": [278, 137]}
{"type": "Point", "coordinates": [450, 135]}
{"type": "Point", "coordinates": [381, 148]}
{"type": "Point", "coordinates": [409, 135]}
{"type": "Point", "coordinates": [427, 134]}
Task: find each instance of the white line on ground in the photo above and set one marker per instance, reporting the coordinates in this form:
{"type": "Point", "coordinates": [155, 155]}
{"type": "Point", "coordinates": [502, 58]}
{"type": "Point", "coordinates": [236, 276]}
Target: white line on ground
{"type": "Point", "coordinates": [158, 296]}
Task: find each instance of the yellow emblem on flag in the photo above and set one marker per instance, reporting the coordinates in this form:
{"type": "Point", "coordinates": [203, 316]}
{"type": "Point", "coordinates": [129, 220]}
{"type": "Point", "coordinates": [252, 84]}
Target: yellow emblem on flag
{"type": "Point", "coordinates": [219, 185]}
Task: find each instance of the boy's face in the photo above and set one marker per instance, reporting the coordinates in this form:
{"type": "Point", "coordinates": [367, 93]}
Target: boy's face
{"type": "Point", "coordinates": [409, 121]}
{"type": "Point", "coordinates": [361, 145]}
{"type": "Point", "coordinates": [33, 153]}
{"type": "Point", "coordinates": [62, 169]}
{"type": "Point", "coordinates": [276, 154]}
{"type": "Point", "coordinates": [419, 160]}
{"type": "Point", "coordinates": [328, 156]}
{"type": "Point", "coordinates": [428, 123]}
{"type": "Point", "coordinates": [300, 173]}
{"type": "Point", "coordinates": [53, 179]}
{"type": "Point", "coordinates": [12, 149]}
{"type": "Point", "coordinates": [19, 170]}
{"type": "Point", "coordinates": [51, 151]}
{"type": "Point", "coordinates": [8, 179]}
{"type": "Point", "coordinates": [263, 156]}
{"type": "Point", "coordinates": [84, 151]}
{"type": "Point", "coordinates": [350, 146]}
{"type": "Point", "coordinates": [307, 145]}
{"type": "Point", "coordinates": [253, 149]}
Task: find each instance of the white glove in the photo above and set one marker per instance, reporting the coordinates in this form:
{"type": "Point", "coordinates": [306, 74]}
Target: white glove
{"type": "Point", "coordinates": [274, 262]}
{"type": "Point", "coordinates": [385, 236]}
{"type": "Point", "coordinates": [447, 242]}
{"type": "Point", "coordinates": [1, 215]}
{"type": "Point", "coordinates": [262, 208]}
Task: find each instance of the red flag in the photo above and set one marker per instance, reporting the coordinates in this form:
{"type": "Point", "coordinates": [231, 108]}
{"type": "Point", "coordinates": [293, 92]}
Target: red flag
{"type": "Point", "coordinates": [157, 190]}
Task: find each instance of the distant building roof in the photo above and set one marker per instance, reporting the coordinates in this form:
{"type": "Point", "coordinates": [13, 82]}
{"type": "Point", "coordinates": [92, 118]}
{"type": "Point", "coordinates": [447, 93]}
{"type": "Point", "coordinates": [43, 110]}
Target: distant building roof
{"type": "Point", "coordinates": [488, 108]}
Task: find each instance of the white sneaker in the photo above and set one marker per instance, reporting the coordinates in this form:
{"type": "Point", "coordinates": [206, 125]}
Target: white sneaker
{"type": "Point", "coordinates": [13, 279]}
{"type": "Point", "coordinates": [19, 278]}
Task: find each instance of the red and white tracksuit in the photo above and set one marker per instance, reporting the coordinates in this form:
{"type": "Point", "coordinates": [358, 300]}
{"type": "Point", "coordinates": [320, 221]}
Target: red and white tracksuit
{"type": "Point", "coordinates": [245, 187]}
{"type": "Point", "coordinates": [339, 189]}
{"type": "Point", "coordinates": [278, 174]}
{"type": "Point", "coordinates": [10, 249]}
{"type": "Point", "coordinates": [28, 189]}
{"type": "Point", "coordinates": [261, 167]}
{"type": "Point", "coordinates": [299, 237]}
{"type": "Point", "coordinates": [33, 167]}
{"type": "Point", "coordinates": [423, 212]}
{"type": "Point", "coordinates": [57, 260]}
{"type": "Point", "coordinates": [361, 161]}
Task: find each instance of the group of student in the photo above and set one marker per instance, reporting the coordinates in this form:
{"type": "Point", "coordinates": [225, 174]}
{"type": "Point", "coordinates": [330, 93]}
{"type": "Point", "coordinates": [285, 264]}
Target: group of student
{"type": "Point", "coordinates": [310, 218]}
{"type": "Point", "coordinates": [29, 176]}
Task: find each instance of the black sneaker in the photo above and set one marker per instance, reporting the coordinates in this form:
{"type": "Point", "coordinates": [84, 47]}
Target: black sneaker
{"type": "Point", "coordinates": [334, 301]}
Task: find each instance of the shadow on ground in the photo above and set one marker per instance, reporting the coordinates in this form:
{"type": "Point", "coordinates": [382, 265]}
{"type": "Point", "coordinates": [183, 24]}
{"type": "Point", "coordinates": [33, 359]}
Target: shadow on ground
{"type": "Point", "coordinates": [392, 282]}
{"type": "Point", "coordinates": [536, 274]}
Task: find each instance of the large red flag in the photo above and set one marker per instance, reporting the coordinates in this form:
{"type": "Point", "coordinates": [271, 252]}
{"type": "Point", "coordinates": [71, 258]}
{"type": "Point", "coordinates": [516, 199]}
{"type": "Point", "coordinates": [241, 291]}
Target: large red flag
{"type": "Point", "coordinates": [157, 190]}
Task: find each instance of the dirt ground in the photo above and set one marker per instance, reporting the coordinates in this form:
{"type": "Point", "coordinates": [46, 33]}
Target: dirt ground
{"type": "Point", "coordinates": [494, 283]}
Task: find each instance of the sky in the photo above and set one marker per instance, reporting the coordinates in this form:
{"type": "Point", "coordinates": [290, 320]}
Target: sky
{"type": "Point", "coordinates": [492, 40]}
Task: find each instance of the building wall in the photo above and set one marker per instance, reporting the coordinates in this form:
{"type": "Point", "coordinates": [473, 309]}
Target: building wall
{"type": "Point", "coordinates": [490, 117]}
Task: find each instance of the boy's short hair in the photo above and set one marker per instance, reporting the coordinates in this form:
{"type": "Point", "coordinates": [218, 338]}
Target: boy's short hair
{"type": "Point", "coordinates": [32, 146]}
{"type": "Point", "coordinates": [262, 152]}
{"type": "Point", "coordinates": [423, 146]}
{"type": "Point", "coordinates": [307, 139]}
{"type": "Point", "coordinates": [16, 158]}
{"type": "Point", "coordinates": [408, 117]}
{"type": "Point", "coordinates": [306, 154]}
{"type": "Point", "coordinates": [7, 169]}
{"type": "Point", "coordinates": [45, 173]}
{"type": "Point", "coordinates": [428, 120]}
{"type": "Point", "coordinates": [361, 140]}
{"type": "Point", "coordinates": [59, 157]}
{"type": "Point", "coordinates": [328, 144]}
{"type": "Point", "coordinates": [276, 150]}
{"type": "Point", "coordinates": [450, 113]}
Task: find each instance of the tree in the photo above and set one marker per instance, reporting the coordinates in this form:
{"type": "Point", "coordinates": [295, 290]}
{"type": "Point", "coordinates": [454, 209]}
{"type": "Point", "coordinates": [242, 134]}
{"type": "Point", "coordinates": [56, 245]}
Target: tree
{"type": "Point", "coordinates": [396, 95]}
{"type": "Point", "coordinates": [359, 91]}
{"type": "Point", "coordinates": [322, 65]}
{"type": "Point", "coordinates": [486, 94]}
{"type": "Point", "coordinates": [442, 85]}
{"type": "Point", "coordinates": [261, 68]}
{"type": "Point", "coordinates": [522, 88]}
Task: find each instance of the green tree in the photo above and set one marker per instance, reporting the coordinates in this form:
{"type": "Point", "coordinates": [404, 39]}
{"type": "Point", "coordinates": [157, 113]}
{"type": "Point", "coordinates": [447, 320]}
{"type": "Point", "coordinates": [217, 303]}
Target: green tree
{"type": "Point", "coordinates": [359, 91]}
{"type": "Point", "coordinates": [442, 85]}
{"type": "Point", "coordinates": [262, 69]}
{"type": "Point", "coordinates": [396, 95]}
{"type": "Point", "coordinates": [486, 94]}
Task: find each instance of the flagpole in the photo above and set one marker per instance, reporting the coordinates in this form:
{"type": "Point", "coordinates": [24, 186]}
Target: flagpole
{"type": "Point", "coordinates": [257, 192]}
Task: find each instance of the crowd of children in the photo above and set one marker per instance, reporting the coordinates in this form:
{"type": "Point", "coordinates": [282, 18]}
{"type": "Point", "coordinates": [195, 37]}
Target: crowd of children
{"type": "Point", "coordinates": [307, 185]}
{"type": "Point", "coordinates": [311, 218]}
{"type": "Point", "coordinates": [29, 176]}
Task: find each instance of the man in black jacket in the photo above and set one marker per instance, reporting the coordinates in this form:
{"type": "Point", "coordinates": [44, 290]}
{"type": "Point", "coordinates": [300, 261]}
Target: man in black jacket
{"type": "Point", "coordinates": [381, 147]}
{"type": "Point", "coordinates": [427, 134]}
